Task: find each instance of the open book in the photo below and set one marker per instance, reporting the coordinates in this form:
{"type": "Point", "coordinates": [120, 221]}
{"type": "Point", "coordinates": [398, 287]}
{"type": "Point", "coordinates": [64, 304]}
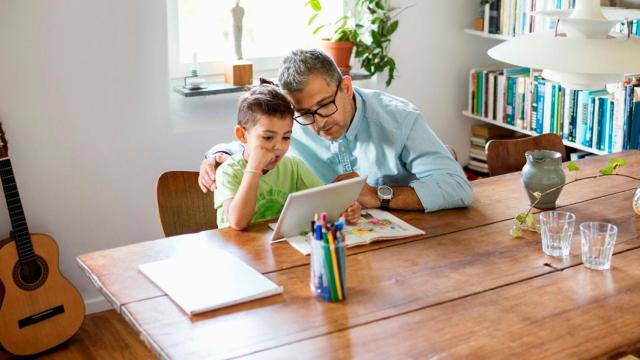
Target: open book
{"type": "Point", "coordinates": [373, 225]}
{"type": "Point", "coordinates": [208, 281]}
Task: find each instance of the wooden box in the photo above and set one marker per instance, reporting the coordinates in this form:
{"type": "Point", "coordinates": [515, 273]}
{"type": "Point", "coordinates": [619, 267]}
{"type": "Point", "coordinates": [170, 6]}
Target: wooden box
{"type": "Point", "coordinates": [238, 72]}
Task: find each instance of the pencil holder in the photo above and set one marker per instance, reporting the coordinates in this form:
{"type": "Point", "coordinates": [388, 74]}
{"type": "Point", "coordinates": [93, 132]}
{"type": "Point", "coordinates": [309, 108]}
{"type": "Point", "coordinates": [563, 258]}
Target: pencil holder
{"type": "Point", "coordinates": [328, 271]}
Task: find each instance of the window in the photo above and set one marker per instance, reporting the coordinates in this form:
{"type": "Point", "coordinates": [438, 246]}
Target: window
{"type": "Point", "coordinates": [270, 30]}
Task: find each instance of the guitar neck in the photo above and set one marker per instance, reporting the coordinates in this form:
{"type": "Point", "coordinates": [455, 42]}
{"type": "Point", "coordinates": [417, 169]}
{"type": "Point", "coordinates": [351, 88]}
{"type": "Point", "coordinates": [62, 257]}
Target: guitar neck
{"type": "Point", "coordinates": [16, 213]}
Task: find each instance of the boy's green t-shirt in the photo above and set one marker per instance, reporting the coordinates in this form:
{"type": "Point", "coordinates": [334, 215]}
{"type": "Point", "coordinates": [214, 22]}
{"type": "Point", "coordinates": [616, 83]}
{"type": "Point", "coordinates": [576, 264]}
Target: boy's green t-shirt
{"type": "Point", "coordinates": [290, 175]}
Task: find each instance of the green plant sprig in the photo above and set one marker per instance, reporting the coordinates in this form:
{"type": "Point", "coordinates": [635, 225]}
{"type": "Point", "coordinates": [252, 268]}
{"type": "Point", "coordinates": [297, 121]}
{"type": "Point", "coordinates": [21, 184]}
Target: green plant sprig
{"type": "Point", "coordinates": [342, 30]}
{"type": "Point", "coordinates": [374, 55]}
{"type": "Point", "coordinates": [371, 35]}
{"type": "Point", "coordinates": [525, 221]}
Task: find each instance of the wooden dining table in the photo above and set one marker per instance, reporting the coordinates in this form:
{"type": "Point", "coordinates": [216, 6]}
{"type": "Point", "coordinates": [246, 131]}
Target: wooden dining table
{"type": "Point", "coordinates": [465, 289]}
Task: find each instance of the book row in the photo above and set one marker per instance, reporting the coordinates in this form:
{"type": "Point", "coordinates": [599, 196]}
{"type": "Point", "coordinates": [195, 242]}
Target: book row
{"type": "Point", "coordinates": [605, 120]}
{"type": "Point", "coordinates": [514, 17]}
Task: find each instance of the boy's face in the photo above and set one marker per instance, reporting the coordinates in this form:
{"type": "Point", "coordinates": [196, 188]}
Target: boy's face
{"type": "Point", "coordinates": [270, 134]}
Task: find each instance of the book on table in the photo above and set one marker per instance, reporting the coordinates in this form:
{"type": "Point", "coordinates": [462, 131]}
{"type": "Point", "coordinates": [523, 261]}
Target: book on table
{"type": "Point", "coordinates": [374, 225]}
{"type": "Point", "coordinates": [210, 280]}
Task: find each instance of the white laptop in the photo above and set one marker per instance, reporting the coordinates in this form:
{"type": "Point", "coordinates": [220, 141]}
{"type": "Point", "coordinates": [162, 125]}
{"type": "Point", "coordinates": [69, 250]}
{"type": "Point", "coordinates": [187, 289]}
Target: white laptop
{"type": "Point", "coordinates": [210, 280]}
{"type": "Point", "coordinates": [301, 206]}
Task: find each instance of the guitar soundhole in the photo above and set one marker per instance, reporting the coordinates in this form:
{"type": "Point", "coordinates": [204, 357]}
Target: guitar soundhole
{"type": "Point", "coordinates": [30, 275]}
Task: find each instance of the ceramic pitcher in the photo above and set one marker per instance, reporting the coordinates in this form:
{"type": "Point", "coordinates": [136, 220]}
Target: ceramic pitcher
{"type": "Point", "coordinates": [543, 171]}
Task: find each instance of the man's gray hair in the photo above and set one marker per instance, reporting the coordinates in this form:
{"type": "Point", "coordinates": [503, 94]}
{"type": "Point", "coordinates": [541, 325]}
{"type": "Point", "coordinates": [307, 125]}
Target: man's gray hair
{"type": "Point", "coordinates": [297, 66]}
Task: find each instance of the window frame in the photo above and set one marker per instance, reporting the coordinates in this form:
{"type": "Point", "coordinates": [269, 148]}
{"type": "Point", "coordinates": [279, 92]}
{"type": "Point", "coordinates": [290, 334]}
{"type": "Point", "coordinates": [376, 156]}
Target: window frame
{"type": "Point", "coordinates": [179, 70]}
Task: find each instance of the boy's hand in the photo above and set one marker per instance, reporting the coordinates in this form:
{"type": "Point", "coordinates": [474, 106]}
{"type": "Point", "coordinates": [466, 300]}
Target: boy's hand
{"type": "Point", "coordinates": [352, 214]}
{"type": "Point", "coordinates": [259, 158]}
{"type": "Point", "coordinates": [207, 177]}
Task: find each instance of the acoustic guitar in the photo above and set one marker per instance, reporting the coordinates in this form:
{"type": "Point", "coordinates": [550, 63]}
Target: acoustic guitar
{"type": "Point", "coordinates": [39, 308]}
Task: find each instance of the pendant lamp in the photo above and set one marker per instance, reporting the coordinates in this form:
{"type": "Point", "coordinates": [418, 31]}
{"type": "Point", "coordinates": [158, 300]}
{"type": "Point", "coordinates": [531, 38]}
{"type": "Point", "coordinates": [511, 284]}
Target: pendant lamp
{"type": "Point", "coordinates": [582, 53]}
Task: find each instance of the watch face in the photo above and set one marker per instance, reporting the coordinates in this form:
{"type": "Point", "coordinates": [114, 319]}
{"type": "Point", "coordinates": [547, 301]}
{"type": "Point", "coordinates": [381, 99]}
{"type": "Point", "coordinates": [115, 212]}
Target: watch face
{"type": "Point", "coordinates": [384, 191]}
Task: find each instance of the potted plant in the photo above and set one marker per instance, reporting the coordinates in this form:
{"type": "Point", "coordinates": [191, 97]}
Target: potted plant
{"type": "Point", "coordinates": [342, 40]}
{"type": "Point", "coordinates": [369, 30]}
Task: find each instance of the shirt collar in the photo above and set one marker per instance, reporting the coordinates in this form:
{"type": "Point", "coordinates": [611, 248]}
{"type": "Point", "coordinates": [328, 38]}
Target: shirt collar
{"type": "Point", "coordinates": [358, 118]}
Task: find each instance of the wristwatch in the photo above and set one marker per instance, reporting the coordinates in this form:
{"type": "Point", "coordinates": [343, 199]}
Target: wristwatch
{"type": "Point", "coordinates": [385, 194]}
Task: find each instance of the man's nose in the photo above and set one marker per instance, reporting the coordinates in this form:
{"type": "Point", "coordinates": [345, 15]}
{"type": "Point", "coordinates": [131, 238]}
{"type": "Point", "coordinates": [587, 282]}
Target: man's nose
{"type": "Point", "coordinates": [320, 122]}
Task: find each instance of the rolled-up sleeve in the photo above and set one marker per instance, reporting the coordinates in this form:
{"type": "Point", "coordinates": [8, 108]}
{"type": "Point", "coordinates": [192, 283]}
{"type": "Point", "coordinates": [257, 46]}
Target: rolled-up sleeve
{"type": "Point", "coordinates": [441, 183]}
{"type": "Point", "coordinates": [232, 148]}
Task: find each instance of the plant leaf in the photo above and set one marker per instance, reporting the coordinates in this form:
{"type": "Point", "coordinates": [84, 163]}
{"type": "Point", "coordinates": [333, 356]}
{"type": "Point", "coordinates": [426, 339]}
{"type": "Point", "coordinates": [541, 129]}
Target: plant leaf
{"type": "Point", "coordinates": [530, 220]}
{"type": "Point", "coordinates": [537, 194]}
{"type": "Point", "coordinates": [315, 5]}
{"type": "Point", "coordinates": [312, 18]}
{"type": "Point", "coordinates": [515, 232]}
{"type": "Point", "coordinates": [571, 166]}
{"type": "Point", "coordinates": [342, 21]}
{"type": "Point", "coordinates": [616, 162]}
{"type": "Point", "coordinates": [521, 218]}
{"type": "Point", "coordinates": [341, 35]}
{"type": "Point", "coordinates": [315, 31]}
{"type": "Point", "coordinates": [392, 27]}
{"type": "Point", "coordinates": [607, 171]}
{"type": "Point", "coordinates": [376, 38]}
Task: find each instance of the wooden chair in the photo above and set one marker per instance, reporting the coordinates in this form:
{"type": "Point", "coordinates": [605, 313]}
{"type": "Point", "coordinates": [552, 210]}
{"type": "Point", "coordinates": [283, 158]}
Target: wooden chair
{"type": "Point", "coordinates": [505, 156]}
{"type": "Point", "coordinates": [182, 206]}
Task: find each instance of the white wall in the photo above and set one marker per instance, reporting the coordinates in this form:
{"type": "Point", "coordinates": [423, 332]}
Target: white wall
{"type": "Point", "coordinates": [84, 102]}
{"type": "Point", "coordinates": [434, 57]}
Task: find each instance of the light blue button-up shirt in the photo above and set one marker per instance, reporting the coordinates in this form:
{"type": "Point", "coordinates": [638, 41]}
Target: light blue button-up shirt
{"type": "Point", "coordinates": [389, 142]}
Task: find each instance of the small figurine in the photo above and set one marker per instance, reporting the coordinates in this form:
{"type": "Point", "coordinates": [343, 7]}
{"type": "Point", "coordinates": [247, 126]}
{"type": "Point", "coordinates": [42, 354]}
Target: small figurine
{"type": "Point", "coordinates": [238, 13]}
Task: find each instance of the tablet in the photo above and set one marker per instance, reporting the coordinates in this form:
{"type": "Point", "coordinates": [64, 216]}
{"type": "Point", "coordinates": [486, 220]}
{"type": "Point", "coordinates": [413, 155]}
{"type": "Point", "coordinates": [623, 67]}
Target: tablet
{"type": "Point", "coordinates": [301, 206]}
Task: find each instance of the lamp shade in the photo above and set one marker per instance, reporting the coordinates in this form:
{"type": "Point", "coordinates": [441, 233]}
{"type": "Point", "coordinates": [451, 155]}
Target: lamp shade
{"type": "Point", "coordinates": [585, 58]}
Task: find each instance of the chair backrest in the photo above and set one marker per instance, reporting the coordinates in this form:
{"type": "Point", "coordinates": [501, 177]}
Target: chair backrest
{"type": "Point", "coordinates": [505, 156]}
{"type": "Point", "coordinates": [182, 206]}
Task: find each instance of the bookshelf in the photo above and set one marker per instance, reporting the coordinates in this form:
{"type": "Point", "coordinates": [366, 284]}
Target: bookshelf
{"type": "Point", "coordinates": [570, 144]}
{"type": "Point", "coordinates": [519, 22]}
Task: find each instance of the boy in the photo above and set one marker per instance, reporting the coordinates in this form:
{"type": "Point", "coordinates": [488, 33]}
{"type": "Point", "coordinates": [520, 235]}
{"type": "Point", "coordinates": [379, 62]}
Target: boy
{"type": "Point", "coordinates": [253, 186]}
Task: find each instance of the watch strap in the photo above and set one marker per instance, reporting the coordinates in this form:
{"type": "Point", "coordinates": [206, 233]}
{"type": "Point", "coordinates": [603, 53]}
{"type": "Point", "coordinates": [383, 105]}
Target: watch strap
{"type": "Point", "coordinates": [384, 203]}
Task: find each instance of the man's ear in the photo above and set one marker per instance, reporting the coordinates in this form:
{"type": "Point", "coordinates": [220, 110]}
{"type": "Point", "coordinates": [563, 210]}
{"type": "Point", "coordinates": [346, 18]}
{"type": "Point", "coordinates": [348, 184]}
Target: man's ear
{"type": "Point", "coordinates": [241, 134]}
{"type": "Point", "coordinates": [347, 84]}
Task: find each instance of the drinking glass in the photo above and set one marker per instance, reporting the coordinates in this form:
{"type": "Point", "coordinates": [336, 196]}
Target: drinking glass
{"type": "Point", "coordinates": [557, 230]}
{"type": "Point", "coordinates": [598, 240]}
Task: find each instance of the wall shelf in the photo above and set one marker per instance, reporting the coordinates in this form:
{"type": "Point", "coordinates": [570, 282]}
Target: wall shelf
{"type": "Point", "coordinates": [532, 133]}
{"type": "Point", "coordinates": [485, 35]}
{"type": "Point", "coordinates": [218, 87]}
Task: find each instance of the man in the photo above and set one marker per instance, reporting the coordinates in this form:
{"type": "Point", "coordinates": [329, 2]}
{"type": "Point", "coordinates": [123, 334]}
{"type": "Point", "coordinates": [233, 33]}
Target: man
{"type": "Point", "coordinates": [343, 131]}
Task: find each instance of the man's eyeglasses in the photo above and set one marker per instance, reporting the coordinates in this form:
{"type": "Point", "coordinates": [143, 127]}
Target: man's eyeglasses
{"type": "Point", "coordinates": [324, 111]}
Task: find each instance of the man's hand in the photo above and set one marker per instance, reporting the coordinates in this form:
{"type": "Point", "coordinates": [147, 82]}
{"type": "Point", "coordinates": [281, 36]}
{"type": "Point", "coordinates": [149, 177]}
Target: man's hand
{"type": "Point", "coordinates": [346, 176]}
{"type": "Point", "coordinates": [368, 196]}
{"type": "Point", "coordinates": [207, 177]}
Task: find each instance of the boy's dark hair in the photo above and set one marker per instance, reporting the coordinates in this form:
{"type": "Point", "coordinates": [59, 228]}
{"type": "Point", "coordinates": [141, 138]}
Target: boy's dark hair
{"type": "Point", "coordinates": [265, 99]}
